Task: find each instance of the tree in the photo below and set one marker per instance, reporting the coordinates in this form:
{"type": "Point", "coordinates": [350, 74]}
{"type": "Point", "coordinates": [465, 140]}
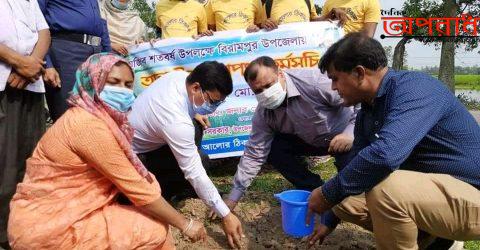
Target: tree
{"type": "Point", "coordinates": [446, 73]}
{"type": "Point", "coordinates": [388, 53]}
{"type": "Point", "coordinates": [146, 12]}
{"type": "Point", "coordinates": [318, 9]}
{"type": "Point", "coordinates": [399, 54]}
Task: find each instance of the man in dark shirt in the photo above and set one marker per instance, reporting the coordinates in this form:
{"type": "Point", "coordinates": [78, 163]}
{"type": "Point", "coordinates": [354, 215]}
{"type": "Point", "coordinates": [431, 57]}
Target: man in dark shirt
{"type": "Point", "coordinates": [417, 166]}
{"type": "Point", "coordinates": [78, 31]}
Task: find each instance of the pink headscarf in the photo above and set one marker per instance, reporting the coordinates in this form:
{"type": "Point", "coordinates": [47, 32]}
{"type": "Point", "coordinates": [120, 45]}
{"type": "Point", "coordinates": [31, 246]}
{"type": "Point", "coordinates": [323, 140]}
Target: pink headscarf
{"type": "Point", "coordinates": [90, 81]}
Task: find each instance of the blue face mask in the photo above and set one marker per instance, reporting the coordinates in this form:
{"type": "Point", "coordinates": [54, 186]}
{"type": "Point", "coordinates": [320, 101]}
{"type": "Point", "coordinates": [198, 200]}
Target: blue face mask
{"type": "Point", "coordinates": [119, 5]}
{"type": "Point", "coordinates": [118, 98]}
{"type": "Point", "coordinates": [206, 108]}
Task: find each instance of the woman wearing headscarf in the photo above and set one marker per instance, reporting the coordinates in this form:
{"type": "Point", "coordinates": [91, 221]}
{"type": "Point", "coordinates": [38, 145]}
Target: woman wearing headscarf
{"type": "Point", "coordinates": [68, 198]}
{"type": "Point", "coordinates": [125, 26]}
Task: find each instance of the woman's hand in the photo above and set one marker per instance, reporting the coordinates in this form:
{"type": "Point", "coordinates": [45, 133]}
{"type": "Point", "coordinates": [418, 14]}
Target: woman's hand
{"type": "Point", "coordinates": [164, 212]}
{"type": "Point", "coordinates": [120, 49]}
{"type": "Point", "coordinates": [195, 231]}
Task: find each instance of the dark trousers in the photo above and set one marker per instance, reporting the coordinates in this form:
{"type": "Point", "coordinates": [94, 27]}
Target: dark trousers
{"type": "Point", "coordinates": [66, 57]}
{"type": "Point", "coordinates": [287, 156]}
{"type": "Point", "coordinates": [22, 123]}
{"type": "Point", "coordinates": [162, 163]}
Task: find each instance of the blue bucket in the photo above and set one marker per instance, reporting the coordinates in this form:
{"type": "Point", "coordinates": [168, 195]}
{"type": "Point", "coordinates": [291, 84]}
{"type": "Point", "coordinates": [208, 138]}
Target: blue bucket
{"type": "Point", "coordinates": [294, 210]}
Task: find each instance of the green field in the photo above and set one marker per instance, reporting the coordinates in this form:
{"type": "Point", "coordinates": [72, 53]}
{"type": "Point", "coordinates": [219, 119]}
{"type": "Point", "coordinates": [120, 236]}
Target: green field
{"type": "Point", "coordinates": [467, 82]}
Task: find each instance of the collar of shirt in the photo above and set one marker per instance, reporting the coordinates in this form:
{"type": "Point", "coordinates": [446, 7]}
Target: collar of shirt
{"type": "Point", "coordinates": [181, 85]}
{"type": "Point", "coordinates": [382, 90]}
{"type": "Point", "coordinates": [292, 90]}
{"type": "Point", "coordinates": [385, 83]}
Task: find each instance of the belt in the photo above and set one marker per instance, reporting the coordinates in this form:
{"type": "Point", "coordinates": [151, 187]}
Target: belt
{"type": "Point", "coordinates": [77, 37]}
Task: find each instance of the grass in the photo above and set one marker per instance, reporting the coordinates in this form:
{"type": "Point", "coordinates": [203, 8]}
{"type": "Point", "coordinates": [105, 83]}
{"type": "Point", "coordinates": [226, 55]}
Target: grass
{"type": "Point", "coordinates": [470, 82]}
{"type": "Point", "coordinates": [472, 245]}
{"type": "Point", "coordinates": [466, 82]}
{"type": "Point", "coordinates": [270, 181]}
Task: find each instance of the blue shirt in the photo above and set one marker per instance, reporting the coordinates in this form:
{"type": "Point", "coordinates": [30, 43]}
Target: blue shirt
{"type": "Point", "coordinates": [79, 16]}
{"type": "Point", "coordinates": [415, 123]}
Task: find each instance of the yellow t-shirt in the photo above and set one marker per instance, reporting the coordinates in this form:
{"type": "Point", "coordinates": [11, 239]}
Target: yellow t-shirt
{"type": "Point", "coordinates": [358, 11]}
{"type": "Point", "coordinates": [179, 18]}
{"type": "Point", "coordinates": [291, 11]}
{"type": "Point", "coordinates": [234, 14]}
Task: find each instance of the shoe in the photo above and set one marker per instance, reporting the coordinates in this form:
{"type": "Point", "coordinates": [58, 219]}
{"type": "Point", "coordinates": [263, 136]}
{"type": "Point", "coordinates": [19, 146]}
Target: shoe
{"type": "Point", "coordinates": [457, 245]}
{"type": "Point", "coordinates": [445, 244]}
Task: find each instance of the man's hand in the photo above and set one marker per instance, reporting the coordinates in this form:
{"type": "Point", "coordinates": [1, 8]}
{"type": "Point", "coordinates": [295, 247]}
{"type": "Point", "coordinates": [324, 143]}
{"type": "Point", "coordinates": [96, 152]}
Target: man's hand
{"type": "Point", "coordinates": [316, 204]}
{"type": "Point", "coordinates": [120, 49]}
{"type": "Point", "coordinates": [339, 14]}
{"type": "Point", "coordinates": [341, 143]}
{"type": "Point", "coordinates": [230, 204]}
{"type": "Point", "coordinates": [269, 25]}
{"type": "Point", "coordinates": [153, 41]}
{"type": "Point", "coordinates": [205, 33]}
{"type": "Point", "coordinates": [52, 78]}
{"type": "Point", "coordinates": [233, 230]}
{"type": "Point", "coordinates": [203, 120]}
{"type": "Point", "coordinates": [17, 81]}
{"type": "Point", "coordinates": [252, 28]}
{"type": "Point", "coordinates": [29, 67]}
{"type": "Point", "coordinates": [319, 233]}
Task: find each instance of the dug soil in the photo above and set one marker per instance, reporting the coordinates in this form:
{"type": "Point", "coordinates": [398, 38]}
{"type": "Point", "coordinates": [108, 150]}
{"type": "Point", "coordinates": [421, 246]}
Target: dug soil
{"type": "Point", "coordinates": [261, 218]}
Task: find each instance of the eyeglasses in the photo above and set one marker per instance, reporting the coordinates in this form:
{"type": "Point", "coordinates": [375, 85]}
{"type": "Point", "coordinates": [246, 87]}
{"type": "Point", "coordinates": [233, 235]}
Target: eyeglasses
{"type": "Point", "coordinates": [211, 101]}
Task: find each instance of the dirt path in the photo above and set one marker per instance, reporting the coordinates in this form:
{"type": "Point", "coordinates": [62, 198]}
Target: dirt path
{"type": "Point", "coordinates": [261, 218]}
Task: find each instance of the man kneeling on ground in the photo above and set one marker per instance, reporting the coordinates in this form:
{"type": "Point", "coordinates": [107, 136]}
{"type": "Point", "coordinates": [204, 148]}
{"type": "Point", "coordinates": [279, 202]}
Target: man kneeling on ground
{"type": "Point", "coordinates": [297, 115]}
{"type": "Point", "coordinates": [417, 172]}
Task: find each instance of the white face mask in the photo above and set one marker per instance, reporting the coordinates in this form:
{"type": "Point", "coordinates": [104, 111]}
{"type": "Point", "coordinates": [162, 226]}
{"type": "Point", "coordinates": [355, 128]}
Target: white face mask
{"type": "Point", "coordinates": [272, 97]}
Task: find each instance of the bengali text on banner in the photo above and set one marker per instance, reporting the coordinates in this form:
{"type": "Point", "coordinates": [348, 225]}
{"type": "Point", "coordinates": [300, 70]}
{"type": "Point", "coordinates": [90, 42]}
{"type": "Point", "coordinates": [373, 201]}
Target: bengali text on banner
{"type": "Point", "coordinates": [297, 45]}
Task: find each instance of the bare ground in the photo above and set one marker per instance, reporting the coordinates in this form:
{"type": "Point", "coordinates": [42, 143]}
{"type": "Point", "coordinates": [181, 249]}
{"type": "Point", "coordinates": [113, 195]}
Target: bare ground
{"type": "Point", "coordinates": [261, 218]}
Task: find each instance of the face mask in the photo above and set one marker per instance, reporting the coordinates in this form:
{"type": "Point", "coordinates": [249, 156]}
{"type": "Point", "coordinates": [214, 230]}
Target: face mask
{"type": "Point", "coordinates": [118, 98]}
{"type": "Point", "coordinates": [272, 97]}
{"type": "Point", "coordinates": [206, 108]}
{"type": "Point", "coordinates": [119, 5]}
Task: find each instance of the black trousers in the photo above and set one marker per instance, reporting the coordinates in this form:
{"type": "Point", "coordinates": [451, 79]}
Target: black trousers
{"type": "Point", "coordinates": [162, 163]}
{"type": "Point", "coordinates": [22, 124]}
{"type": "Point", "coordinates": [286, 156]}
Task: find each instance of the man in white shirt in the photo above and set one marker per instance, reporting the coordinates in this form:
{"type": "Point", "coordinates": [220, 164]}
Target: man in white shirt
{"type": "Point", "coordinates": [24, 41]}
{"type": "Point", "coordinates": [162, 119]}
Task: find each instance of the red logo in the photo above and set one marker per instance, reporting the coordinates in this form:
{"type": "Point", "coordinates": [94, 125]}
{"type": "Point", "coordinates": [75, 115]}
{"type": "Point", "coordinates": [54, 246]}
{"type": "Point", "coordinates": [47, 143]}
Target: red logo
{"type": "Point", "coordinates": [463, 26]}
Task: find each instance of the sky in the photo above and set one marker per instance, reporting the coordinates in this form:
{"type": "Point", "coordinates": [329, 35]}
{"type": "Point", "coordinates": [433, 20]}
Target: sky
{"type": "Point", "coordinates": [418, 54]}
